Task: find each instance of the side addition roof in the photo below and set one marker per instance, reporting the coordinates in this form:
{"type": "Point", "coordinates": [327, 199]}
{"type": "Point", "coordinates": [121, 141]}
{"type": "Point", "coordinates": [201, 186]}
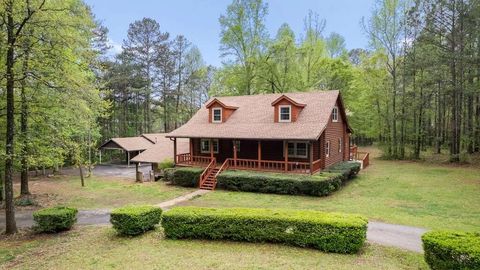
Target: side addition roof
{"type": "Point", "coordinates": [128, 144]}
{"type": "Point", "coordinates": [162, 150]}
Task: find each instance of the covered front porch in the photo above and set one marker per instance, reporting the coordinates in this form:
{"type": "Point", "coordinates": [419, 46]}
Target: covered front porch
{"type": "Point", "coordinates": [303, 157]}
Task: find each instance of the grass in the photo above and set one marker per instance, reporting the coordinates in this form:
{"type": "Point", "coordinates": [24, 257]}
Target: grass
{"type": "Point", "coordinates": [435, 196]}
{"type": "Point", "coordinates": [100, 192]}
{"type": "Point", "coordinates": [100, 248]}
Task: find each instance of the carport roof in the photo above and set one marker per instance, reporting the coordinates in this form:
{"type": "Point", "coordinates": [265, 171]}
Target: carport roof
{"type": "Point", "coordinates": [162, 150]}
{"type": "Point", "coordinates": [128, 144]}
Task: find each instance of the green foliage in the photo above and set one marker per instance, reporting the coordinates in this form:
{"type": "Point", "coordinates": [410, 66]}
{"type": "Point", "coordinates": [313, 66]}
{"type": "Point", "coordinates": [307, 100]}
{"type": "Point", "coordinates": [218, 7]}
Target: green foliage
{"type": "Point", "coordinates": [331, 232]}
{"type": "Point", "coordinates": [320, 184]}
{"type": "Point", "coordinates": [55, 219]}
{"type": "Point", "coordinates": [135, 219]}
{"type": "Point", "coordinates": [446, 250]}
{"type": "Point", "coordinates": [25, 201]}
{"type": "Point", "coordinates": [165, 164]}
{"type": "Point", "coordinates": [185, 177]}
{"type": "Point", "coordinates": [348, 169]}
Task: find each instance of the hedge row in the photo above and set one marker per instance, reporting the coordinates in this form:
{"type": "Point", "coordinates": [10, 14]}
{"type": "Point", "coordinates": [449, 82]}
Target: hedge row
{"type": "Point", "coordinates": [320, 184]}
{"type": "Point", "coordinates": [347, 169]}
{"type": "Point", "coordinates": [135, 219]}
{"type": "Point", "coordinates": [185, 177]}
{"type": "Point", "coordinates": [55, 219]}
{"type": "Point", "coordinates": [452, 250]}
{"type": "Point", "coordinates": [330, 232]}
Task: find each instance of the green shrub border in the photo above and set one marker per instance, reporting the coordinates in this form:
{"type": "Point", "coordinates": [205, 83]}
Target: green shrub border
{"type": "Point", "coordinates": [452, 250]}
{"type": "Point", "coordinates": [135, 219]}
{"type": "Point", "coordinates": [330, 232]}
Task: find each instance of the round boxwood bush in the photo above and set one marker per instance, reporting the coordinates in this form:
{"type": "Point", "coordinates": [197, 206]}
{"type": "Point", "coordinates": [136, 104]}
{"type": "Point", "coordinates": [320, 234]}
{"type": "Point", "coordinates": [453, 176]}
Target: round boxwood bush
{"type": "Point", "coordinates": [55, 219]}
{"type": "Point", "coordinates": [135, 219]}
{"type": "Point", "coordinates": [452, 250]}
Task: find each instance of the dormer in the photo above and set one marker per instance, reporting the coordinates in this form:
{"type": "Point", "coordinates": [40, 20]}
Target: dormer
{"type": "Point", "coordinates": [218, 112]}
{"type": "Point", "coordinates": [286, 110]}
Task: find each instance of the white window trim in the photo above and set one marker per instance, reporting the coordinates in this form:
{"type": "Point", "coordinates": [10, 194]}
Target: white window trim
{"type": "Point", "coordinates": [327, 148]}
{"type": "Point", "coordinates": [340, 145]}
{"type": "Point", "coordinates": [295, 155]}
{"type": "Point", "coordinates": [213, 115]}
{"type": "Point", "coordinates": [335, 113]}
{"type": "Point", "coordinates": [280, 113]}
{"type": "Point", "coordinates": [209, 146]}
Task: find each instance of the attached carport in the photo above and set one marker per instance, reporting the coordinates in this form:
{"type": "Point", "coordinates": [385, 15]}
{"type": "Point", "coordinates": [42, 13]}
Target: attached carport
{"type": "Point", "coordinates": [132, 146]}
{"type": "Point", "coordinates": [162, 150]}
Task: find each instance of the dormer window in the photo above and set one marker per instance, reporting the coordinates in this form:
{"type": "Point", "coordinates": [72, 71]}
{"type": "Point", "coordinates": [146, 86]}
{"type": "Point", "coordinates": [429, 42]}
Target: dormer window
{"type": "Point", "coordinates": [216, 115]}
{"type": "Point", "coordinates": [335, 114]}
{"type": "Point", "coordinates": [285, 113]}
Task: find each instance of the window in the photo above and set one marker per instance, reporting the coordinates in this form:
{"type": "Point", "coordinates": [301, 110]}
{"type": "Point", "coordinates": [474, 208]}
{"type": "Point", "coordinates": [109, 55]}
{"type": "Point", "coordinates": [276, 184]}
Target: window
{"type": "Point", "coordinates": [205, 146]}
{"type": "Point", "coordinates": [335, 114]}
{"type": "Point", "coordinates": [297, 149]}
{"type": "Point", "coordinates": [327, 149]}
{"type": "Point", "coordinates": [340, 145]}
{"type": "Point", "coordinates": [284, 113]}
{"type": "Point", "coordinates": [217, 115]}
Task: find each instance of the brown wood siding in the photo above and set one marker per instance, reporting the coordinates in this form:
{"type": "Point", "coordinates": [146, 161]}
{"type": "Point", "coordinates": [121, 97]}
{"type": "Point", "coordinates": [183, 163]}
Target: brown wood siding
{"type": "Point", "coordinates": [295, 110]}
{"type": "Point", "coordinates": [333, 132]}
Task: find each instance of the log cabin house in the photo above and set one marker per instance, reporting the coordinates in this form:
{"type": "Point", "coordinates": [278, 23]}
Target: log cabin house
{"type": "Point", "coordinates": [290, 133]}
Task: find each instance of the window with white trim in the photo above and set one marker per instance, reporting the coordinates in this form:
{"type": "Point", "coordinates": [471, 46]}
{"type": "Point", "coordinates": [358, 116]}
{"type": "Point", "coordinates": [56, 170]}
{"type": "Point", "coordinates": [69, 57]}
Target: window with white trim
{"type": "Point", "coordinates": [205, 146]}
{"type": "Point", "coordinates": [339, 145]}
{"type": "Point", "coordinates": [216, 115]}
{"type": "Point", "coordinates": [297, 149]}
{"type": "Point", "coordinates": [284, 113]}
{"type": "Point", "coordinates": [327, 149]}
{"type": "Point", "coordinates": [335, 114]}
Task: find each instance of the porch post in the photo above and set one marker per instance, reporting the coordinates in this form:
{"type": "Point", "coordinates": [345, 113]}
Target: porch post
{"type": "Point", "coordinates": [175, 151]}
{"type": "Point", "coordinates": [259, 146]}
{"type": "Point", "coordinates": [191, 150]}
{"type": "Point", "coordinates": [285, 149]}
{"type": "Point", "coordinates": [311, 157]}
{"type": "Point", "coordinates": [234, 154]}
{"type": "Point", "coordinates": [128, 159]}
{"type": "Point", "coordinates": [211, 148]}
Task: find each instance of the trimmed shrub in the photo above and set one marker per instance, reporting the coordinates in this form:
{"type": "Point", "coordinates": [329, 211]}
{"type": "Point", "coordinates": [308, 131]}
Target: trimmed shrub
{"type": "Point", "coordinates": [347, 169]}
{"type": "Point", "coordinates": [452, 250]}
{"type": "Point", "coordinates": [320, 184]}
{"type": "Point", "coordinates": [135, 219]}
{"type": "Point", "coordinates": [55, 219]}
{"type": "Point", "coordinates": [185, 177]}
{"type": "Point", "coordinates": [331, 232]}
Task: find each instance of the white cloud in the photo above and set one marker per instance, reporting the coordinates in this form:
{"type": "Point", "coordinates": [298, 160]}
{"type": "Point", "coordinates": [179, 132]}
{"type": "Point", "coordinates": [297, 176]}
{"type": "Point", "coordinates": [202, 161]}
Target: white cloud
{"type": "Point", "coordinates": [116, 47]}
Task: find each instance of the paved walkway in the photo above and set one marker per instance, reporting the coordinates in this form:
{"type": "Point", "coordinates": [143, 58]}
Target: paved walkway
{"type": "Point", "coordinates": [400, 236]}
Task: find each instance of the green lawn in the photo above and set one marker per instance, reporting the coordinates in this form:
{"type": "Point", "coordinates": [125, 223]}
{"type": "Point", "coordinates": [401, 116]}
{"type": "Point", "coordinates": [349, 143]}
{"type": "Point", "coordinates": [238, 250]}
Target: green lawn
{"type": "Point", "coordinates": [99, 248]}
{"type": "Point", "coordinates": [101, 192]}
{"type": "Point", "coordinates": [417, 194]}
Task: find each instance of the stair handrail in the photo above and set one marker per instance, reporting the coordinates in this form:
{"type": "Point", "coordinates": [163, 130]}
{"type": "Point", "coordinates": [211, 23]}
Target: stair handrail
{"type": "Point", "coordinates": [206, 171]}
{"type": "Point", "coordinates": [222, 168]}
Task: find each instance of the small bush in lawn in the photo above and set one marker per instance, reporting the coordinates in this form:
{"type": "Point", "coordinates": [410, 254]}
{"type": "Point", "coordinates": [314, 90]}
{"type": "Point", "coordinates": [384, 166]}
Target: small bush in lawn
{"type": "Point", "coordinates": [331, 232]}
{"type": "Point", "coordinates": [452, 250]}
{"type": "Point", "coordinates": [55, 219]}
{"type": "Point", "coordinates": [135, 219]}
{"type": "Point", "coordinates": [347, 169]}
{"type": "Point", "coordinates": [185, 177]}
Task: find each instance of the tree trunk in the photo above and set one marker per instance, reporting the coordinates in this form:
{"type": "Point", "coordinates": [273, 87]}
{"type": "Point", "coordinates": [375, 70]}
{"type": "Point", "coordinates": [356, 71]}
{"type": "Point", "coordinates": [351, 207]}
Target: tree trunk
{"type": "Point", "coordinates": [24, 124]}
{"type": "Point", "coordinates": [10, 226]}
{"type": "Point", "coordinates": [81, 175]}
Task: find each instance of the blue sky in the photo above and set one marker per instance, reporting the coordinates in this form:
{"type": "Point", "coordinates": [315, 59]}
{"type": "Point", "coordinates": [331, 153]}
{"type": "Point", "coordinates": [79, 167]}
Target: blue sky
{"type": "Point", "coordinates": [197, 20]}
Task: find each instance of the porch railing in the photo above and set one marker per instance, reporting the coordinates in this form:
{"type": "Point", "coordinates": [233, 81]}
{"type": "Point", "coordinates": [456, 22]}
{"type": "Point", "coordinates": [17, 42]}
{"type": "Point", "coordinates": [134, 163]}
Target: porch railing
{"type": "Point", "coordinates": [268, 165]}
{"type": "Point", "coordinates": [187, 159]}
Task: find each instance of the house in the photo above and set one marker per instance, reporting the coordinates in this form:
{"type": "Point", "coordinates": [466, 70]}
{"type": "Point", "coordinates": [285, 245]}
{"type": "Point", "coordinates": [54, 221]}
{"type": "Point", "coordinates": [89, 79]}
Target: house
{"type": "Point", "coordinates": [291, 133]}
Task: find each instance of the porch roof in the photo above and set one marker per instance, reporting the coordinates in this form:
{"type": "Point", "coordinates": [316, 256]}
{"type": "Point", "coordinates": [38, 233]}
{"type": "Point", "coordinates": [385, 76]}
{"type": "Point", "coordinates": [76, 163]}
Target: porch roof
{"type": "Point", "coordinates": [254, 118]}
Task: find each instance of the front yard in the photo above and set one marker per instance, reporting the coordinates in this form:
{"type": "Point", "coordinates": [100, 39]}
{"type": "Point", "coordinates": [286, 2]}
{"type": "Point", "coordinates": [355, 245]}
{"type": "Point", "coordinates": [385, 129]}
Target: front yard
{"type": "Point", "coordinates": [100, 248]}
{"type": "Point", "coordinates": [100, 191]}
{"type": "Point", "coordinates": [409, 193]}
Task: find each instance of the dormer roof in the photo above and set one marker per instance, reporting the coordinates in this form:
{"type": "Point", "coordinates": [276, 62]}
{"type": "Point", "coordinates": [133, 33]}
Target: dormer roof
{"type": "Point", "coordinates": [290, 100]}
{"type": "Point", "coordinates": [215, 100]}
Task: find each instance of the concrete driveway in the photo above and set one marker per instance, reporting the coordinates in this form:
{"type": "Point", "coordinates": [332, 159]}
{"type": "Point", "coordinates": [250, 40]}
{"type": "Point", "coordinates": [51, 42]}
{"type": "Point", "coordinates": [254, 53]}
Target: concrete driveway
{"type": "Point", "coordinates": [118, 170]}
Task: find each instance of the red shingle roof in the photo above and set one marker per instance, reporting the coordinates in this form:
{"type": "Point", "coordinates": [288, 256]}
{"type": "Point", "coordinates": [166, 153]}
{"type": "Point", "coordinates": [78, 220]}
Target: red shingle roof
{"type": "Point", "coordinates": [254, 118]}
{"type": "Point", "coordinates": [128, 143]}
{"type": "Point", "coordinates": [162, 150]}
